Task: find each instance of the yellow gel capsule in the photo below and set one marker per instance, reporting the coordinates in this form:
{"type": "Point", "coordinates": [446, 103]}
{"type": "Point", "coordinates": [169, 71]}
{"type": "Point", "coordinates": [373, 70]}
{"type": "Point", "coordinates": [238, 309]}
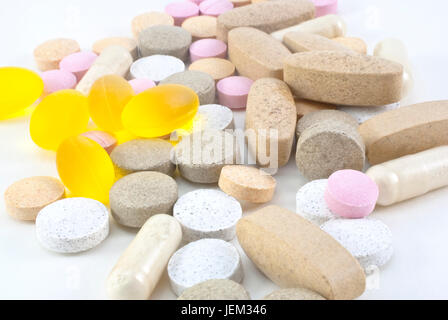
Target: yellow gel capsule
{"type": "Point", "coordinates": [60, 115]}
{"type": "Point", "coordinates": [161, 110]}
{"type": "Point", "coordinates": [19, 89]}
{"type": "Point", "coordinates": [85, 168]}
{"type": "Point", "coordinates": [107, 99]}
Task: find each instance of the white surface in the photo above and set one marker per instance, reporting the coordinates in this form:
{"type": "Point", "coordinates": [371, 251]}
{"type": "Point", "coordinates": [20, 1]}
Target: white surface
{"type": "Point", "coordinates": [418, 268]}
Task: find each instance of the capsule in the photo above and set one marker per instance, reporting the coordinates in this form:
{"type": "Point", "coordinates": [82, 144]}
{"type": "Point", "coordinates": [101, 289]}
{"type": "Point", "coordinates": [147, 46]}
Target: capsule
{"type": "Point", "coordinates": [139, 269]}
{"type": "Point", "coordinates": [411, 176]}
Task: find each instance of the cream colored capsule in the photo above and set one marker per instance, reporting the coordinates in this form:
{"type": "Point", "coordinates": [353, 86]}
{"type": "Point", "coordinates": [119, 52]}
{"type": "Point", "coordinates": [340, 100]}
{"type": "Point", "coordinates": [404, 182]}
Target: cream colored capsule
{"type": "Point", "coordinates": [139, 269]}
{"type": "Point", "coordinates": [411, 176]}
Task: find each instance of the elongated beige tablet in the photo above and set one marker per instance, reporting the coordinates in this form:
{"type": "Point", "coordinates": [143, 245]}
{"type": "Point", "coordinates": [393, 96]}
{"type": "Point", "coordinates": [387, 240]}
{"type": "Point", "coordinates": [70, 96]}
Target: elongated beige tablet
{"type": "Point", "coordinates": [139, 269]}
{"type": "Point", "coordinates": [293, 252]}
{"type": "Point", "coordinates": [344, 78]}
{"type": "Point", "coordinates": [298, 41]}
{"type": "Point", "coordinates": [271, 118]}
{"type": "Point", "coordinates": [267, 16]}
{"type": "Point", "coordinates": [404, 131]}
{"type": "Point", "coordinates": [352, 43]}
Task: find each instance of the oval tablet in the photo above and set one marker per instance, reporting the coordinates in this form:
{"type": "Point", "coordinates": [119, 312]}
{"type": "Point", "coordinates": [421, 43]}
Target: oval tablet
{"type": "Point", "coordinates": [149, 19]}
{"type": "Point", "coordinates": [201, 27]}
{"type": "Point", "coordinates": [78, 63]}
{"type": "Point", "coordinates": [215, 116]}
{"type": "Point", "coordinates": [127, 43]}
{"type": "Point", "coordinates": [215, 8]}
{"type": "Point", "coordinates": [363, 114]}
{"type": "Point", "coordinates": [233, 91]}
{"type": "Point", "coordinates": [208, 48]}
{"type": "Point", "coordinates": [104, 139]}
{"type": "Point", "coordinates": [355, 44]}
{"type": "Point", "coordinates": [57, 80]}
{"type": "Point", "coordinates": [216, 67]}
{"type": "Point", "coordinates": [181, 11]}
{"type": "Point", "coordinates": [49, 54]}
{"type": "Point", "coordinates": [298, 41]}
{"type": "Point", "coordinates": [219, 289]}
{"type": "Point", "coordinates": [294, 294]}
{"type": "Point", "coordinates": [156, 67]}
{"type": "Point", "coordinates": [141, 84]}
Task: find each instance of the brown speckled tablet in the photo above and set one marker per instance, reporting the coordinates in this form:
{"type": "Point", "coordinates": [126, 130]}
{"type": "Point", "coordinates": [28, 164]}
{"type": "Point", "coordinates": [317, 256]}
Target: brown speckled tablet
{"type": "Point", "coordinates": [355, 44]}
{"type": "Point", "coordinates": [294, 294]}
{"type": "Point", "coordinates": [298, 41]}
{"type": "Point", "coordinates": [49, 54]}
{"type": "Point", "coordinates": [201, 27]}
{"type": "Point", "coordinates": [128, 43]}
{"type": "Point", "coordinates": [149, 19]}
{"type": "Point", "coordinates": [216, 67]}
{"type": "Point", "coordinates": [307, 106]}
{"type": "Point", "coordinates": [219, 289]}
{"type": "Point", "coordinates": [321, 116]}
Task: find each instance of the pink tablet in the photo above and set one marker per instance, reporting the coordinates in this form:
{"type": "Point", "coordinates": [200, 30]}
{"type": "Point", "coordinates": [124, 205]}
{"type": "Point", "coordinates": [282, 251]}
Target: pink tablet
{"type": "Point", "coordinates": [141, 84]}
{"type": "Point", "coordinates": [180, 11]}
{"type": "Point", "coordinates": [196, 1]}
{"type": "Point", "coordinates": [215, 7]}
{"type": "Point", "coordinates": [208, 48]}
{"type": "Point", "coordinates": [351, 194]}
{"type": "Point", "coordinates": [55, 80]}
{"type": "Point", "coordinates": [324, 7]}
{"type": "Point", "coordinates": [104, 139]}
{"type": "Point", "coordinates": [78, 63]}
{"type": "Point", "coordinates": [233, 91]}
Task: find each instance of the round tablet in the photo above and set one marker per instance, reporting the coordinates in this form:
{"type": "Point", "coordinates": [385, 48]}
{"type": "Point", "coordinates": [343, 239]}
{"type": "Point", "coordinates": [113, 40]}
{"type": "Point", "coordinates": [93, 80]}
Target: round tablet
{"type": "Point", "coordinates": [310, 202]}
{"type": "Point", "coordinates": [25, 198]}
{"type": "Point", "coordinates": [156, 68]}
{"type": "Point", "coordinates": [368, 240]}
{"type": "Point", "coordinates": [247, 183]}
{"type": "Point", "coordinates": [233, 91]}
{"type": "Point", "coordinates": [104, 139]}
{"type": "Point", "coordinates": [203, 260]}
{"type": "Point", "coordinates": [201, 27]}
{"type": "Point", "coordinates": [72, 225]}
{"type": "Point", "coordinates": [362, 114]}
{"type": "Point", "coordinates": [324, 7]}
{"type": "Point", "coordinates": [127, 43]}
{"type": "Point", "coordinates": [149, 19]}
{"type": "Point", "coordinates": [56, 80]}
{"type": "Point", "coordinates": [181, 11]}
{"type": "Point", "coordinates": [142, 84]}
{"type": "Point", "coordinates": [49, 54]}
{"type": "Point", "coordinates": [351, 194]}
{"type": "Point", "coordinates": [208, 48]}
{"type": "Point", "coordinates": [215, 116]}
{"type": "Point", "coordinates": [138, 196]}
{"type": "Point", "coordinates": [216, 67]}
{"type": "Point", "coordinates": [78, 63]}
{"type": "Point", "coordinates": [215, 8]}
{"type": "Point", "coordinates": [207, 213]}
{"type": "Point", "coordinates": [220, 289]}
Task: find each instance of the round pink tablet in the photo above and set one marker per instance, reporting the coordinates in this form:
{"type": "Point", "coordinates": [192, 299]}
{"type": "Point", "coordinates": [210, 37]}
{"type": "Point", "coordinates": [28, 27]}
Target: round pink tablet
{"type": "Point", "coordinates": [181, 11]}
{"type": "Point", "coordinates": [324, 7]}
{"type": "Point", "coordinates": [78, 63]}
{"type": "Point", "coordinates": [233, 91]}
{"type": "Point", "coordinates": [215, 7]}
{"type": "Point", "coordinates": [351, 194]}
{"type": "Point", "coordinates": [104, 139]}
{"type": "Point", "coordinates": [208, 48]}
{"type": "Point", "coordinates": [55, 80]}
{"type": "Point", "coordinates": [141, 84]}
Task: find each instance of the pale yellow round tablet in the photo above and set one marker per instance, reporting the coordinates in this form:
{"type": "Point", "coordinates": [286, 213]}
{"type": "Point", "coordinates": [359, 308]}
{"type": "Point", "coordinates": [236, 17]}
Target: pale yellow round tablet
{"type": "Point", "coordinates": [201, 27]}
{"type": "Point", "coordinates": [25, 198]}
{"type": "Point", "coordinates": [355, 44]}
{"type": "Point", "coordinates": [149, 19]}
{"type": "Point", "coordinates": [216, 67]}
{"type": "Point", "coordinates": [247, 183]}
{"type": "Point", "coordinates": [49, 54]}
{"type": "Point", "coordinates": [128, 43]}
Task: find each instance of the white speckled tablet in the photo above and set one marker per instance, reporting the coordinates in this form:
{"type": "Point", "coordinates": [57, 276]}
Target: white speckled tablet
{"type": "Point", "coordinates": [206, 213]}
{"type": "Point", "coordinates": [311, 203]}
{"type": "Point", "coordinates": [215, 116]}
{"type": "Point", "coordinates": [362, 114]}
{"type": "Point", "coordinates": [156, 68]}
{"type": "Point", "coordinates": [204, 260]}
{"type": "Point", "coordinates": [368, 240]}
{"type": "Point", "coordinates": [72, 225]}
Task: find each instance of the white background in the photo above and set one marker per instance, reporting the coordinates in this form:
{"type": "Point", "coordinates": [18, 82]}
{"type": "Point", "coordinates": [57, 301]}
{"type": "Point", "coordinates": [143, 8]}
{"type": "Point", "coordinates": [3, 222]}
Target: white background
{"type": "Point", "coordinates": [419, 267]}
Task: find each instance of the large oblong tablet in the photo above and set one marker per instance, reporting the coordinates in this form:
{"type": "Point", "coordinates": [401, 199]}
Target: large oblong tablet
{"type": "Point", "coordinates": [344, 78]}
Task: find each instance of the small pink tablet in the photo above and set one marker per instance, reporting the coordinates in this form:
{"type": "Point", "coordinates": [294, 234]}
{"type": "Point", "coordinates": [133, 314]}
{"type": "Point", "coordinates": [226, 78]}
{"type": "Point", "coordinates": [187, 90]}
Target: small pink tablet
{"type": "Point", "coordinates": [233, 91]}
{"type": "Point", "coordinates": [208, 48]}
{"type": "Point", "coordinates": [55, 80]}
{"type": "Point", "coordinates": [104, 139]}
{"type": "Point", "coordinates": [351, 194]}
{"type": "Point", "coordinates": [78, 63]}
{"type": "Point", "coordinates": [181, 11]}
{"type": "Point", "coordinates": [196, 1]}
{"type": "Point", "coordinates": [141, 84]}
{"type": "Point", "coordinates": [324, 7]}
{"type": "Point", "coordinates": [215, 7]}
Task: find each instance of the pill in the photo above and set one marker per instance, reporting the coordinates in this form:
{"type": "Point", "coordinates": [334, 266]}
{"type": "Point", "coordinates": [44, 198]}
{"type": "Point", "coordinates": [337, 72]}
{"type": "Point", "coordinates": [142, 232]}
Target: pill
{"type": "Point", "coordinates": [13, 97]}
{"type": "Point", "coordinates": [58, 116]}
{"type": "Point", "coordinates": [127, 43]}
{"type": "Point", "coordinates": [324, 7]}
{"type": "Point", "coordinates": [196, 1]}
{"type": "Point", "coordinates": [200, 82]}
{"type": "Point", "coordinates": [344, 78]}
{"type": "Point", "coordinates": [202, 260]}
{"type": "Point", "coordinates": [304, 107]}
{"type": "Point", "coordinates": [165, 40]}
{"type": "Point", "coordinates": [363, 114]}
{"type": "Point", "coordinates": [78, 63]}
{"type": "Point", "coordinates": [107, 140]}
{"type": "Point", "coordinates": [137, 197]}
{"type": "Point", "coordinates": [205, 213]}
{"type": "Point", "coordinates": [72, 225]}
{"type": "Point", "coordinates": [215, 116]}
{"type": "Point", "coordinates": [141, 266]}
{"type": "Point", "coordinates": [219, 289]}
{"type": "Point", "coordinates": [144, 155]}
{"type": "Point", "coordinates": [156, 67]}
{"type": "Point", "coordinates": [298, 41]}
{"type": "Point", "coordinates": [267, 16]}
{"type": "Point", "coordinates": [201, 27]}
{"type": "Point", "coordinates": [240, 3]}
{"type": "Point", "coordinates": [202, 155]}
{"type": "Point", "coordinates": [310, 202]}
{"type": "Point", "coordinates": [272, 117]}
{"type": "Point", "coordinates": [355, 44]}
{"type": "Point", "coordinates": [149, 19]}
{"type": "Point", "coordinates": [142, 116]}
{"type": "Point", "coordinates": [112, 60]}
{"type": "Point", "coordinates": [216, 67]}
{"type": "Point", "coordinates": [208, 48]}
{"type": "Point", "coordinates": [49, 54]}
{"type": "Point", "coordinates": [107, 99]}
{"type": "Point", "coordinates": [368, 240]}
{"type": "Point", "coordinates": [215, 8]}
{"type": "Point", "coordinates": [294, 294]}
{"type": "Point", "coordinates": [406, 130]}
{"type": "Point", "coordinates": [256, 54]}
{"type": "Point", "coordinates": [329, 26]}
{"type": "Point", "coordinates": [26, 197]}
{"type": "Point", "coordinates": [233, 91]}
{"type": "Point", "coordinates": [141, 84]}
{"type": "Point", "coordinates": [181, 11]}
{"type": "Point", "coordinates": [56, 80]}
{"type": "Point", "coordinates": [315, 118]}
{"type": "Point", "coordinates": [293, 252]}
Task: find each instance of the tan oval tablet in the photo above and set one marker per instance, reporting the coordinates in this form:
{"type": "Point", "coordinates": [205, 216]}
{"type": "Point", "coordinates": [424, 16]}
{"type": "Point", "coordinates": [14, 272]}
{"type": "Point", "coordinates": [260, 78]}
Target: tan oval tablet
{"type": "Point", "coordinates": [294, 294]}
{"type": "Point", "coordinates": [344, 78]}
{"type": "Point", "coordinates": [406, 130]}
{"type": "Point", "coordinates": [25, 198]}
{"type": "Point", "coordinates": [240, 3]}
{"type": "Point", "coordinates": [298, 41]}
{"type": "Point", "coordinates": [247, 184]}
{"type": "Point", "coordinates": [149, 19]}
{"type": "Point", "coordinates": [49, 54]}
{"type": "Point", "coordinates": [304, 107]}
{"type": "Point", "coordinates": [216, 67]}
{"type": "Point", "coordinates": [293, 252]}
{"type": "Point", "coordinates": [355, 44]}
{"type": "Point", "coordinates": [128, 43]}
{"type": "Point", "coordinates": [201, 27]}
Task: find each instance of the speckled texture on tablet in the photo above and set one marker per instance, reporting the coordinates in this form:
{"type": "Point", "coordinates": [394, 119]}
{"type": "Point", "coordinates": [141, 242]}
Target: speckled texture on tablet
{"type": "Point", "coordinates": [319, 117]}
{"type": "Point", "coordinates": [215, 116]}
{"type": "Point", "coordinates": [218, 68]}
{"type": "Point", "coordinates": [294, 294]}
{"type": "Point", "coordinates": [156, 67]}
{"type": "Point", "coordinates": [298, 41]}
{"type": "Point", "coordinates": [220, 289]}
{"type": "Point", "coordinates": [49, 54]}
{"type": "Point", "coordinates": [307, 106]}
